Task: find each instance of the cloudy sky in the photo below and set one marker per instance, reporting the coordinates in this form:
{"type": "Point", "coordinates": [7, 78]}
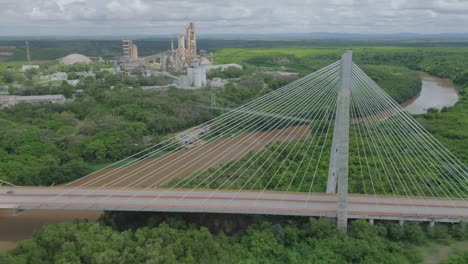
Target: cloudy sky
{"type": "Point", "coordinates": [160, 17]}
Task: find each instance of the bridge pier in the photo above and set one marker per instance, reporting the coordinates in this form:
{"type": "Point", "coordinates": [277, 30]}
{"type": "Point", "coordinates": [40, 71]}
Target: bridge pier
{"type": "Point", "coordinates": [338, 167]}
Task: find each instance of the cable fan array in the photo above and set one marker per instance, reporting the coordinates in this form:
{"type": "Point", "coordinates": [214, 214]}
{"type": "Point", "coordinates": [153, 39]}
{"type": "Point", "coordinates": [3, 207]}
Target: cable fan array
{"type": "Point", "coordinates": [395, 154]}
{"type": "Point", "coordinates": [281, 142]}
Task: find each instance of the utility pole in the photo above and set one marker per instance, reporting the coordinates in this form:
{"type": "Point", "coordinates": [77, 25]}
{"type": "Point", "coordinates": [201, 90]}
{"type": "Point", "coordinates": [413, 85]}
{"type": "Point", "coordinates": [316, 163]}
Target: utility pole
{"type": "Point", "coordinates": [213, 102]}
{"type": "Point", "coordinates": [338, 167]}
{"type": "Point", "coordinates": [27, 52]}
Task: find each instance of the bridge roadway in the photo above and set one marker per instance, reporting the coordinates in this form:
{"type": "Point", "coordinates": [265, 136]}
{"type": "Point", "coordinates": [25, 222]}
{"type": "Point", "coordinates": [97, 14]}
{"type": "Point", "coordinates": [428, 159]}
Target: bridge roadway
{"type": "Point", "coordinates": [231, 201]}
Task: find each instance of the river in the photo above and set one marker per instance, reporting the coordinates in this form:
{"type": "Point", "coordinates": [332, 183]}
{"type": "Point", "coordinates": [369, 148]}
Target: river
{"type": "Point", "coordinates": [435, 93]}
{"type": "Point", "coordinates": [16, 227]}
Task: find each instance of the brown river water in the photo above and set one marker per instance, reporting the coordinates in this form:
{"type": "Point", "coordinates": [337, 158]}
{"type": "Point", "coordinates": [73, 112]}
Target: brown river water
{"type": "Point", "coordinates": [436, 93]}
{"type": "Point", "coordinates": [16, 227]}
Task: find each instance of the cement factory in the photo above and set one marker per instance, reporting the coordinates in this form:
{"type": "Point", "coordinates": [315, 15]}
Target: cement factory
{"type": "Point", "coordinates": [184, 64]}
{"type": "Point", "coordinates": [184, 58]}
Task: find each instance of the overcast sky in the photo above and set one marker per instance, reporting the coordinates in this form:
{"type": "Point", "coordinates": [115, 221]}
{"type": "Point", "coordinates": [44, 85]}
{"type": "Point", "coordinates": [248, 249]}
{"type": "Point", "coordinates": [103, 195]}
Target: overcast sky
{"type": "Point", "coordinates": [161, 17]}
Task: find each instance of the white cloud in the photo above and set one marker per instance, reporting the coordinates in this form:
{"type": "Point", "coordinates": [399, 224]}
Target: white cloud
{"type": "Point", "coordinates": [47, 9]}
{"type": "Point", "coordinates": [94, 17]}
{"type": "Point", "coordinates": [53, 10]}
{"type": "Point", "coordinates": [127, 9]}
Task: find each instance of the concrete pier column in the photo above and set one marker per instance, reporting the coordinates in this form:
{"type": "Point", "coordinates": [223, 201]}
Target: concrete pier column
{"type": "Point", "coordinates": [431, 224]}
{"type": "Point", "coordinates": [401, 222]}
{"type": "Point", "coordinates": [371, 221]}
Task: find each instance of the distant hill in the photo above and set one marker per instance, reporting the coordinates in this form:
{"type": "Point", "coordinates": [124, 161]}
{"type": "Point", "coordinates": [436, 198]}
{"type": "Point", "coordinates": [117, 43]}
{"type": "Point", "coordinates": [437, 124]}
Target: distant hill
{"type": "Point", "coordinates": [281, 36]}
{"type": "Point", "coordinates": [329, 35]}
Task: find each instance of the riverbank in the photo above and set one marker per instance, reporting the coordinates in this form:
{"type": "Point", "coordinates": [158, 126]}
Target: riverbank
{"type": "Point", "coordinates": [17, 227]}
{"type": "Point", "coordinates": [435, 93]}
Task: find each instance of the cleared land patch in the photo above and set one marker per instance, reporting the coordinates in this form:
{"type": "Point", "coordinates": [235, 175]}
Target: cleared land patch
{"type": "Point", "coordinates": [182, 163]}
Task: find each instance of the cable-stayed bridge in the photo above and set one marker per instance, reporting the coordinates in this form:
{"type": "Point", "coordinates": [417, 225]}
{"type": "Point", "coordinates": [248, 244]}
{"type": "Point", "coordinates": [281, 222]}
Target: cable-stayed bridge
{"type": "Point", "coordinates": [331, 144]}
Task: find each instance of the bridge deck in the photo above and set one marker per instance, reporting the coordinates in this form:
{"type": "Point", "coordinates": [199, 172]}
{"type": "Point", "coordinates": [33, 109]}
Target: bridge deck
{"type": "Point", "coordinates": [244, 202]}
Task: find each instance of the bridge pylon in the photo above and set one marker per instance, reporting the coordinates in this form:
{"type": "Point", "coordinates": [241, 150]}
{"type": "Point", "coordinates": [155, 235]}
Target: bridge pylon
{"type": "Point", "coordinates": [338, 167]}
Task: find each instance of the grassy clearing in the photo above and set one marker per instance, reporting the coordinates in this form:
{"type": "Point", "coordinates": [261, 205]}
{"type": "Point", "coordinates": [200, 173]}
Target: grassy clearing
{"type": "Point", "coordinates": [434, 253]}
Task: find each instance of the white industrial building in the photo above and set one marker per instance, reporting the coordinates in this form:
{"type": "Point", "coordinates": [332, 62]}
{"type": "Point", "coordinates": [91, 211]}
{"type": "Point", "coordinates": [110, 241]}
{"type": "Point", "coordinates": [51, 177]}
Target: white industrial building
{"type": "Point", "coordinates": [196, 77]}
{"type": "Point", "coordinates": [11, 100]}
{"type": "Point", "coordinates": [73, 82]}
{"type": "Point", "coordinates": [58, 76]}
{"type": "Point", "coordinates": [75, 58]}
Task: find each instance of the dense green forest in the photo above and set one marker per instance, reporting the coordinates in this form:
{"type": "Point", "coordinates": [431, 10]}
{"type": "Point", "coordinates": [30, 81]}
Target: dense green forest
{"type": "Point", "coordinates": [449, 126]}
{"type": "Point", "coordinates": [51, 144]}
{"type": "Point", "coordinates": [200, 238]}
{"type": "Point", "coordinates": [108, 48]}
{"type": "Point", "coordinates": [46, 144]}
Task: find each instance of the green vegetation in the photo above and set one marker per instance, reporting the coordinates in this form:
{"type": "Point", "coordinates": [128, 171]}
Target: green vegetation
{"type": "Point", "coordinates": [51, 143]}
{"type": "Point", "coordinates": [307, 170]}
{"type": "Point", "coordinates": [438, 252]}
{"type": "Point", "coordinates": [399, 82]}
{"type": "Point", "coordinates": [459, 258]}
{"type": "Point", "coordinates": [199, 238]}
{"type": "Point", "coordinates": [108, 48]}
{"type": "Point", "coordinates": [450, 126]}
{"type": "Point", "coordinates": [228, 73]}
{"type": "Point", "coordinates": [46, 144]}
